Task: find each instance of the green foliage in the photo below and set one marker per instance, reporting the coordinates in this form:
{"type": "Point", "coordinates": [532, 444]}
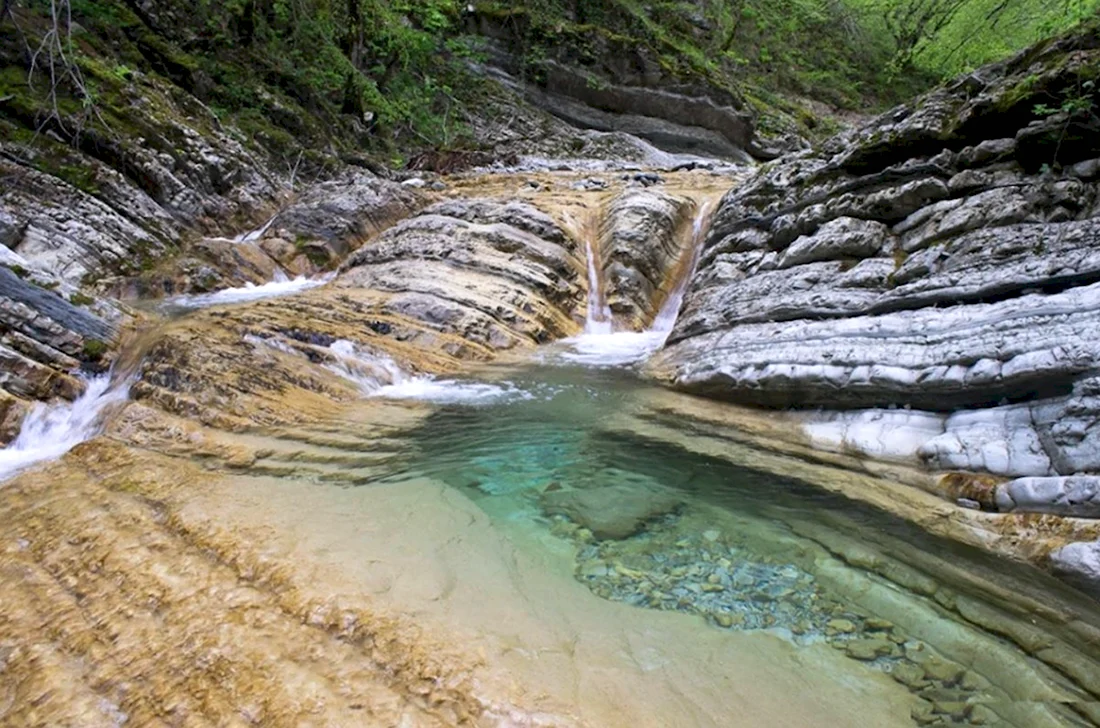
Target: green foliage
{"type": "Point", "coordinates": [94, 349]}
{"type": "Point", "coordinates": [948, 37]}
{"type": "Point", "coordinates": [390, 76]}
{"type": "Point", "coordinates": [1078, 102]}
{"type": "Point", "coordinates": [80, 299]}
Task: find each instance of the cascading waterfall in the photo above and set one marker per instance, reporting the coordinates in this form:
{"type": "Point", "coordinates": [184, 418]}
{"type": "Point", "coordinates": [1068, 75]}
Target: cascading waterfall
{"type": "Point", "coordinates": [598, 319]}
{"type": "Point", "coordinates": [253, 235]}
{"type": "Point", "coordinates": [51, 430]}
{"type": "Point", "coordinates": [670, 309]}
{"type": "Point", "coordinates": [600, 345]}
{"type": "Point", "coordinates": [377, 375]}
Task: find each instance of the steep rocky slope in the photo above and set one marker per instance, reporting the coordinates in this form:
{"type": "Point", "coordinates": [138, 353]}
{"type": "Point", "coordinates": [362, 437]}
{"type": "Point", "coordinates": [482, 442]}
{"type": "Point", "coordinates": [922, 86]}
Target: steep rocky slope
{"type": "Point", "coordinates": [925, 288]}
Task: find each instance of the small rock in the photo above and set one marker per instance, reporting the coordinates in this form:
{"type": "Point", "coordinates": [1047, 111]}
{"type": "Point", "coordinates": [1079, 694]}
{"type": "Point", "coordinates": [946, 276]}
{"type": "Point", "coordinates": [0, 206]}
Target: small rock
{"type": "Point", "coordinates": [938, 669]}
{"type": "Point", "coordinates": [969, 504]}
{"type": "Point", "coordinates": [981, 715]}
{"type": "Point", "coordinates": [711, 535]}
{"type": "Point", "coordinates": [414, 182]}
{"type": "Point", "coordinates": [723, 619]}
{"type": "Point", "coordinates": [839, 626]}
{"type": "Point", "coordinates": [868, 648]}
{"type": "Point", "coordinates": [438, 186]}
{"type": "Point", "coordinates": [922, 713]}
{"type": "Point", "coordinates": [875, 624]}
{"type": "Point", "coordinates": [588, 184]}
{"type": "Point", "coordinates": [594, 569]}
{"type": "Point", "coordinates": [973, 682]}
{"type": "Point", "coordinates": [909, 675]}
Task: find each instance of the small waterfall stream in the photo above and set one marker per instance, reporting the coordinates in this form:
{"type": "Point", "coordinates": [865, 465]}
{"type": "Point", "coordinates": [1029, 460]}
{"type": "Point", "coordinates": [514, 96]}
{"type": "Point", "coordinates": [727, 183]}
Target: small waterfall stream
{"type": "Point", "coordinates": [600, 344]}
{"type": "Point", "coordinates": [51, 430]}
{"type": "Point", "coordinates": [280, 285]}
{"type": "Point", "coordinates": [598, 319]}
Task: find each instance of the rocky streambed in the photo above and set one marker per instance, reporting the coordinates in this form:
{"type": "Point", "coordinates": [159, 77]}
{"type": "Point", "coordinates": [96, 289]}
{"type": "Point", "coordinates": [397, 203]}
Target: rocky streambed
{"type": "Point", "coordinates": [813, 443]}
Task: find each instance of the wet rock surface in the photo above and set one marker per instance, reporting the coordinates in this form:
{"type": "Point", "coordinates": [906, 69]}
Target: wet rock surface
{"type": "Point", "coordinates": [644, 240]}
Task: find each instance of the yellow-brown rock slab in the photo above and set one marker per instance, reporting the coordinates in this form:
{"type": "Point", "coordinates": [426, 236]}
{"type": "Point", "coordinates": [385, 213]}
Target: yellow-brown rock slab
{"type": "Point", "coordinates": [135, 584]}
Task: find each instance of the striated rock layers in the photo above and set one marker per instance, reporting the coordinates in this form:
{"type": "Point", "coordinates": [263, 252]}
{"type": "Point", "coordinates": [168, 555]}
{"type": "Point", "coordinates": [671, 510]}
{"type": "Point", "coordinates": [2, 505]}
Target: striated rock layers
{"type": "Point", "coordinates": [927, 288]}
{"type": "Point", "coordinates": [67, 254]}
{"type": "Point", "coordinates": [459, 282]}
{"type": "Point", "coordinates": [643, 241]}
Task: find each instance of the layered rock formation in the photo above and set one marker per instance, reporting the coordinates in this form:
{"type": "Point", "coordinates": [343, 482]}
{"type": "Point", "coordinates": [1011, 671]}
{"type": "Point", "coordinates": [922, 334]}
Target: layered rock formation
{"type": "Point", "coordinates": [459, 282]}
{"type": "Point", "coordinates": [601, 81]}
{"type": "Point", "coordinates": [644, 241]}
{"type": "Point", "coordinates": [930, 281]}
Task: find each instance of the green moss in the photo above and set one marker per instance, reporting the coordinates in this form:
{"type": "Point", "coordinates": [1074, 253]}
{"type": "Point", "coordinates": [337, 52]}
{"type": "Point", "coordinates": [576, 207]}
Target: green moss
{"type": "Point", "coordinates": [900, 256]}
{"type": "Point", "coordinates": [80, 299]}
{"type": "Point", "coordinates": [1022, 92]}
{"type": "Point", "coordinates": [94, 349]}
{"type": "Point", "coordinates": [18, 270]}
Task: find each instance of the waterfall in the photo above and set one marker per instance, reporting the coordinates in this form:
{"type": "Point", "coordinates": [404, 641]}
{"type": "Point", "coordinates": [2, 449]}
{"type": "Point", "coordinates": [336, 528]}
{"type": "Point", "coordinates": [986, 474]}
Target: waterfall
{"type": "Point", "coordinates": [51, 430]}
{"type": "Point", "coordinates": [599, 345]}
{"type": "Point", "coordinates": [670, 309]}
{"type": "Point", "coordinates": [254, 235]}
{"type": "Point", "coordinates": [377, 375]}
{"type": "Point", "coordinates": [598, 319]}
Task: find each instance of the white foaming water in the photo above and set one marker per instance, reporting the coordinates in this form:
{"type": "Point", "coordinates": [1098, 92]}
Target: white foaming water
{"type": "Point", "coordinates": [368, 370]}
{"type": "Point", "coordinates": [600, 346]}
{"type": "Point", "coordinates": [281, 285]}
{"type": "Point", "coordinates": [379, 376]}
{"type": "Point", "coordinates": [598, 320]}
{"type": "Point", "coordinates": [51, 430]}
{"type": "Point", "coordinates": [612, 349]}
{"type": "Point", "coordinates": [452, 391]}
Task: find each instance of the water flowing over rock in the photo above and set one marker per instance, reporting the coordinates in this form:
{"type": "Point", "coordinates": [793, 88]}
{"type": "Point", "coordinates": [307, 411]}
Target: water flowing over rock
{"type": "Point", "coordinates": [924, 261]}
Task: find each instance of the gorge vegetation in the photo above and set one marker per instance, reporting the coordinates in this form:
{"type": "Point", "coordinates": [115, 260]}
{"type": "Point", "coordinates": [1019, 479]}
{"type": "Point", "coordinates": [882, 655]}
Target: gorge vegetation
{"type": "Point", "coordinates": [320, 78]}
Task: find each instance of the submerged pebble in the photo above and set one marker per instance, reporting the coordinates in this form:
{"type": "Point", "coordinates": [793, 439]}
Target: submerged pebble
{"type": "Point", "coordinates": [733, 588]}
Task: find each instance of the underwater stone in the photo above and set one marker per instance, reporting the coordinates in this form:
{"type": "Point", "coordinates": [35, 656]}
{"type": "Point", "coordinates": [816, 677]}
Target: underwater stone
{"type": "Point", "coordinates": [613, 512]}
{"type": "Point", "coordinates": [868, 648]}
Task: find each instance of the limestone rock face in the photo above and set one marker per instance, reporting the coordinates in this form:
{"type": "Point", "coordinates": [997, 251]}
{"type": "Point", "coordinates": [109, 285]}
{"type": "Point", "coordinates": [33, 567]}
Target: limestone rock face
{"type": "Point", "coordinates": [457, 283]}
{"type": "Point", "coordinates": [47, 333]}
{"type": "Point", "coordinates": [1079, 562]}
{"type": "Point", "coordinates": [343, 212]}
{"type": "Point", "coordinates": [58, 228]}
{"type": "Point", "coordinates": [642, 245]}
{"type": "Point", "coordinates": [499, 274]}
{"type": "Point", "coordinates": [944, 259]}
{"type": "Point", "coordinates": [1069, 496]}
{"type": "Point", "coordinates": [78, 218]}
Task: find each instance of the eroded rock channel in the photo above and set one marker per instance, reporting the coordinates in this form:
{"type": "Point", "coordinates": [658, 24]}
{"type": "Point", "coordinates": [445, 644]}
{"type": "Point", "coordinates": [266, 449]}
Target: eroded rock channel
{"type": "Point", "coordinates": [810, 444]}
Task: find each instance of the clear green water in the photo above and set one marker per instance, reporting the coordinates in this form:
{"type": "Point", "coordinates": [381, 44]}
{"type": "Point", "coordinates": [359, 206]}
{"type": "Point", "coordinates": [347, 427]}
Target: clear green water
{"type": "Point", "coordinates": [746, 549]}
